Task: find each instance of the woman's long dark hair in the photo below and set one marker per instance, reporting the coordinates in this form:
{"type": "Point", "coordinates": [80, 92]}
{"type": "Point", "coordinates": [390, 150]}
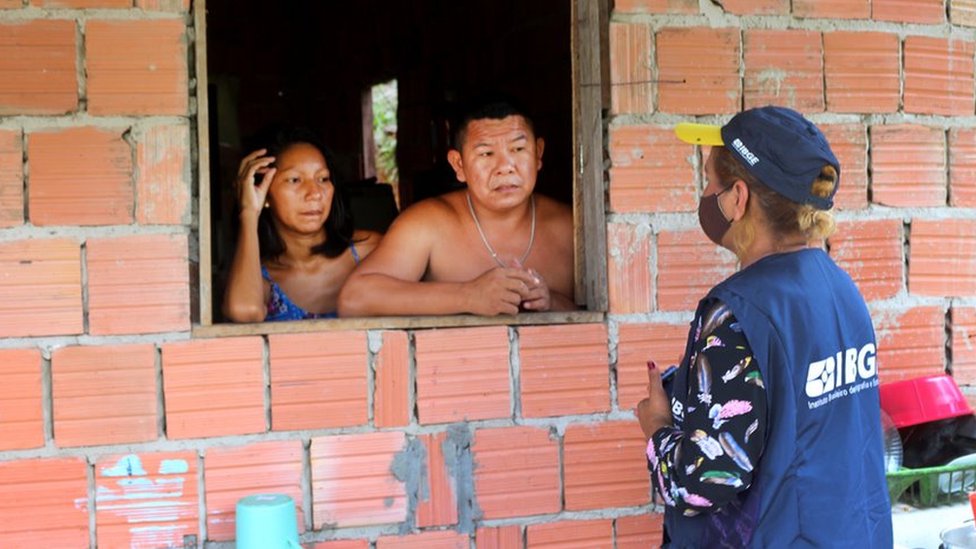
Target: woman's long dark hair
{"type": "Point", "coordinates": [338, 226]}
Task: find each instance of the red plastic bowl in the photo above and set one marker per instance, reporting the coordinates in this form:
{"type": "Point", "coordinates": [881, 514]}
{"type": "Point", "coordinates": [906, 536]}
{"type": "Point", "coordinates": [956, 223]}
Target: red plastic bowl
{"type": "Point", "coordinates": [923, 399]}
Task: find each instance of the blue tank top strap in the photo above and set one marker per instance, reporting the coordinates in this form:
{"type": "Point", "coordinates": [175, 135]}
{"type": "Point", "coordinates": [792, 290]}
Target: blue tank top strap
{"type": "Point", "coordinates": [355, 253]}
{"type": "Point", "coordinates": [280, 307]}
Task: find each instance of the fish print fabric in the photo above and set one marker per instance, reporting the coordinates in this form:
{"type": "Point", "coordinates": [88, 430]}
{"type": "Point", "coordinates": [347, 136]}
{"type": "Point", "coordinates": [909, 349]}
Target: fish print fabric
{"type": "Point", "coordinates": [708, 457]}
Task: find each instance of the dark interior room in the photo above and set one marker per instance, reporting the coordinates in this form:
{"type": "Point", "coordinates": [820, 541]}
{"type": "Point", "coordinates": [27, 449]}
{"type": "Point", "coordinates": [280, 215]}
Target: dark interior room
{"type": "Point", "coordinates": [314, 62]}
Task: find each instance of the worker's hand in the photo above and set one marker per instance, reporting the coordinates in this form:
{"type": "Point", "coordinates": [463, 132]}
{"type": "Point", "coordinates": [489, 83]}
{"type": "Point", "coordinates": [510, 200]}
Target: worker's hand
{"type": "Point", "coordinates": [654, 411]}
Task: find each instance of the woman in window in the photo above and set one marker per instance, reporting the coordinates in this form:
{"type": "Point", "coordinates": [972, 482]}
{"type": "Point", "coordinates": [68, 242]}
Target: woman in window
{"type": "Point", "coordinates": [297, 244]}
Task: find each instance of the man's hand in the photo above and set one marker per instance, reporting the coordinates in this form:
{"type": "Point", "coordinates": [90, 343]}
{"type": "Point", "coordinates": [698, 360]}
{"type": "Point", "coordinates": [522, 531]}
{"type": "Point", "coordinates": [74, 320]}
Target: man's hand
{"type": "Point", "coordinates": [654, 411]}
{"type": "Point", "coordinates": [538, 298]}
{"type": "Point", "coordinates": [499, 291]}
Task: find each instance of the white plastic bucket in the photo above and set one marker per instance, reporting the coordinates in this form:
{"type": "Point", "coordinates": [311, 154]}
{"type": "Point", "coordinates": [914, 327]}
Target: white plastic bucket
{"type": "Point", "coordinates": [960, 537]}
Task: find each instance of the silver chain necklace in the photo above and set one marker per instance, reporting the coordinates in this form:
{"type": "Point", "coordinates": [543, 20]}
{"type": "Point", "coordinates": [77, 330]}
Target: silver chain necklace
{"type": "Point", "coordinates": [485, 239]}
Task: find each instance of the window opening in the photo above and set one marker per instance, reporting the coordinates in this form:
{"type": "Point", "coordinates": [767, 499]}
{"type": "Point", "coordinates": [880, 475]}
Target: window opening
{"type": "Point", "coordinates": [433, 55]}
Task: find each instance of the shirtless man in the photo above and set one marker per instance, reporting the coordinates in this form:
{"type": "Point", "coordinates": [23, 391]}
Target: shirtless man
{"type": "Point", "coordinates": [493, 248]}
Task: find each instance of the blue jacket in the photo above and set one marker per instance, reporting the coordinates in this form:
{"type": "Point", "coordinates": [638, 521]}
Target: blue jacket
{"type": "Point", "coordinates": [820, 481]}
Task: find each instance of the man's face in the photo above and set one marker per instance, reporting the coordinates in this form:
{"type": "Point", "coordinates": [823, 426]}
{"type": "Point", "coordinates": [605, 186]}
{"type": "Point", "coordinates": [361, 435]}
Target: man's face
{"type": "Point", "coordinates": [499, 161]}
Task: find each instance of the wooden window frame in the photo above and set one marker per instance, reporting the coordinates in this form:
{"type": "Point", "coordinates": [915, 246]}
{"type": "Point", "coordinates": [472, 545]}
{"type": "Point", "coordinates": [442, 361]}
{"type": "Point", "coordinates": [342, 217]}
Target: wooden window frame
{"type": "Point", "coordinates": [590, 27]}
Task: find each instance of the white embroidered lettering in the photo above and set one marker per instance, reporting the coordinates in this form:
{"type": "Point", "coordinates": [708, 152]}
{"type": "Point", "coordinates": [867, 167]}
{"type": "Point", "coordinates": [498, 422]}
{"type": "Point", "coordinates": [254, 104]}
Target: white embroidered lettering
{"type": "Point", "coordinates": [745, 152]}
{"type": "Point", "coordinates": [840, 371]}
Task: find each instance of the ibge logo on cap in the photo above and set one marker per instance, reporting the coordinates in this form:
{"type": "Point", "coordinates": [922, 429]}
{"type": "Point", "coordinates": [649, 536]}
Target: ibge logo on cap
{"type": "Point", "coordinates": [745, 152]}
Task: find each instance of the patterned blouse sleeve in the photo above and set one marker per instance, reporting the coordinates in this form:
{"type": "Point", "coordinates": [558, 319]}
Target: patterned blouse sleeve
{"type": "Point", "coordinates": [703, 464]}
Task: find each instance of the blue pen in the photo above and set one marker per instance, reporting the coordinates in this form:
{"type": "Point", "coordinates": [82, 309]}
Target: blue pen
{"type": "Point", "coordinates": [666, 374]}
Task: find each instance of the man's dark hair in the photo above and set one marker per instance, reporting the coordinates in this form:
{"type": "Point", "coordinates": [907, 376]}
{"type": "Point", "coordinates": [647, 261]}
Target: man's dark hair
{"type": "Point", "coordinates": [338, 226]}
{"type": "Point", "coordinates": [487, 107]}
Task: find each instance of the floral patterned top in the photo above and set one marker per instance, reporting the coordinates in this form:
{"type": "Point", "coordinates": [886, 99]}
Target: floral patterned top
{"type": "Point", "coordinates": [707, 458]}
{"type": "Point", "coordinates": [280, 307]}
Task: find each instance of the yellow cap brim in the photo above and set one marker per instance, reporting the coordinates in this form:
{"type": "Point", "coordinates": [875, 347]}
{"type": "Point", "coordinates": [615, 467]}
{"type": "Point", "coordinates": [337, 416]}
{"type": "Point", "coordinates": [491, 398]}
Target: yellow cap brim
{"type": "Point", "coordinates": [699, 134]}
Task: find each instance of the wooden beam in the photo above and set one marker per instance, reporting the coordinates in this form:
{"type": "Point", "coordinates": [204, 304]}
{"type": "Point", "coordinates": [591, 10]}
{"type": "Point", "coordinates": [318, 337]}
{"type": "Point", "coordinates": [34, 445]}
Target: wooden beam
{"type": "Point", "coordinates": [396, 323]}
{"type": "Point", "coordinates": [589, 187]}
{"type": "Point", "coordinates": [205, 271]}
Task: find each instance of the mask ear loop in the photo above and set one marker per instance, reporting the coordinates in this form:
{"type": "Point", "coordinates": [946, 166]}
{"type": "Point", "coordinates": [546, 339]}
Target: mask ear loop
{"type": "Point", "coordinates": [719, 202]}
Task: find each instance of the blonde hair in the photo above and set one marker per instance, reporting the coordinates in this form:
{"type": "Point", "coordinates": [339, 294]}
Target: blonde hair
{"type": "Point", "coordinates": [782, 215]}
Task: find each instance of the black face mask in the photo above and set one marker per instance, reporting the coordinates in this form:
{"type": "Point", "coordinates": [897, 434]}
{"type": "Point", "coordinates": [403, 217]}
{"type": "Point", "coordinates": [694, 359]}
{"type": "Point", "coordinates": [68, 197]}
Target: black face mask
{"type": "Point", "coordinates": [711, 217]}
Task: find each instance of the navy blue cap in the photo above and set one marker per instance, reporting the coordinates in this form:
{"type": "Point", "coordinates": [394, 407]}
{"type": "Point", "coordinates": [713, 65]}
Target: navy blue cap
{"type": "Point", "coordinates": [779, 146]}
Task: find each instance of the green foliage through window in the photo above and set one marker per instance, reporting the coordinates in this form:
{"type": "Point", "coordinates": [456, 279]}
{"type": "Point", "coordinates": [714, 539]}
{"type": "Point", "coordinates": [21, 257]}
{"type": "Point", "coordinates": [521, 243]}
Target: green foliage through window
{"type": "Point", "coordinates": [385, 131]}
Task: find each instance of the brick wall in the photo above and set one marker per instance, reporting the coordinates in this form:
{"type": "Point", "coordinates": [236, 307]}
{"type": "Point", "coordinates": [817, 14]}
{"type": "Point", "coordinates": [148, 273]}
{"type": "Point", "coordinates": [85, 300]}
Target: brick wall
{"type": "Point", "coordinates": [118, 428]}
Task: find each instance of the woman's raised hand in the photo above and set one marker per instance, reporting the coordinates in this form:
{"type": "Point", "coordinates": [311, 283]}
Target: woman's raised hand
{"type": "Point", "coordinates": [250, 192]}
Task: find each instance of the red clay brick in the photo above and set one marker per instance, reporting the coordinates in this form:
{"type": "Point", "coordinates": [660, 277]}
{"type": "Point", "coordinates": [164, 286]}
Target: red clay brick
{"type": "Point", "coordinates": [629, 270]}
{"type": "Point", "coordinates": [911, 343]}
{"type": "Point", "coordinates": [310, 392]}
{"type": "Point", "coordinates": [784, 67]}
{"type": "Point", "coordinates": [652, 171]}
{"type": "Point", "coordinates": [214, 387]}
{"type": "Point", "coordinates": [909, 11]}
{"type": "Point", "coordinates": [688, 265]}
{"type": "Point", "coordinates": [850, 144]}
{"type": "Point", "coordinates": [942, 257]}
{"type": "Point", "coordinates": [38, 61]}
{"type": "Point", "coordinates": [146, 500]}
{"type": "Point", "coordinates": [42, 276]}
{"type": "Point", "coordinates": [163, 182]}
{"type": "Point", "coordinates": [21, 408]}
{"type": "Point", "coordinates": [963, 12]}
{"type": "Point", "coordinates": [962, 167]}
{"type": "Point", "coordinates": [569, 534]}
{"type": "Point", "coordinates": [80, 176]}
{"type": "Point", "coordinates": [11, 178]}
{"type": "Point", "coordinates": [638, 343]}
{"type": "Point", "coordinates": [179, 6]}
{"type": "Point", "coordinates": [342, 544]}
{"type": "Point", "coordinates": [438, 507]}
{"type": "Point", "coordinates": [516, 472]}
{"type": "Point", "coordinates": [11, 4]}
{"type": "Point", "coordinates": [655, 6]}
{"type": "Point", "coordinates": [871, 252]}
{"type": "Point", "coordinates": [706, 62]}
{"type": "Point", "coordinates": [631, 76]}
{"type": "Point", "coordinates": [938, 76]}
{"type": "Point", "coordinates": [80, 4]}
{"type": "Point", "coordinates": [137, 67]}
{"type": "Point", "coordinates": [46, 499]}
{"type": "Point", "coordinates": [908, 165]}
{"type": "Point", "coordinates": [564, 369]}
{"type": "Point", "coordinates": [448, 539]}
{"type": "Point", "coordinates": [862, 71]}
{"type": "Point", "coordinates": [352, 482]}
{"type": "Point", "coordinates": [756, 7]}
{"type": "Point", "coordinates": [462, 374]}
{"type": "Point", "coordinates": [392, 396]}
{"type": "Point", "coordinates": [138, 284]}
{"type": "Point", "coordinates": [604, 466]}
{"type": "Point", "coordinates": [259, 468]}
{"type": "Point", "coordinates": [963, 350]}
{"type": "Point", "coordinates": [501, 537]}
{"type": "Point", "coordinates": [832, 9]}
{"type": "Point", "coordinates": [640, 531]}
{"type": "Point", "coordinates": [104, 394]}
